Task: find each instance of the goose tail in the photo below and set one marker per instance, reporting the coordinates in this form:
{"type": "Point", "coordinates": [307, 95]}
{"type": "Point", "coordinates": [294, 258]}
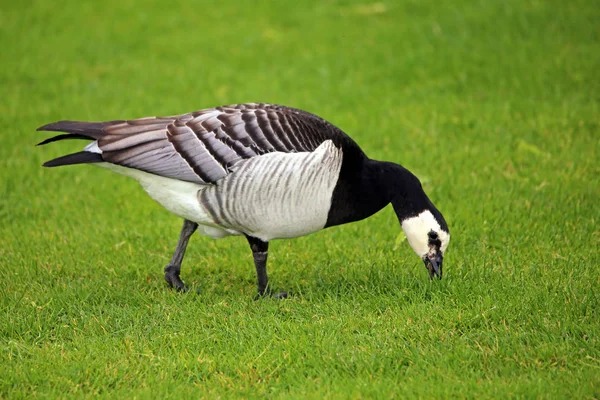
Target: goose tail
{"type": "Point", "coordinates": [76, 130]}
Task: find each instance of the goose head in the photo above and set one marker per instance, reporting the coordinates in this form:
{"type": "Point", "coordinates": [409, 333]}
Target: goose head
{"type": "Point", "coordinates": [428, 235]}
{"type": "Point", "coordinates": [425, 227]}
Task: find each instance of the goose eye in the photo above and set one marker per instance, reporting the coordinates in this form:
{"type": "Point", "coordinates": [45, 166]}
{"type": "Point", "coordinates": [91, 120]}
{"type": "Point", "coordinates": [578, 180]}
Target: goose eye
{"type": "Point", "coordinates": [434, 239]}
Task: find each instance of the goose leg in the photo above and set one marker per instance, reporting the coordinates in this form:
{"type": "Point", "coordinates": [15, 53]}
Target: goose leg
{"type": "Point", "coordinates": [260, 251]}
{"type": "Point", "coordinates": [172, 270]}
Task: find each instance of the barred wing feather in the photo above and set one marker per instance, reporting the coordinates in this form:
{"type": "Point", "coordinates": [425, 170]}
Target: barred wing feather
{"type": "Point", "coordinates": [203, 146]}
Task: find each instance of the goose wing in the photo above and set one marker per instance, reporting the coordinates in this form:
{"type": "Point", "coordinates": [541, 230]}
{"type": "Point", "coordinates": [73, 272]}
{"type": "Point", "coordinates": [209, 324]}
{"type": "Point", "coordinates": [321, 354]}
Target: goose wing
{"type": "Point", "coordinates": [205, 145]}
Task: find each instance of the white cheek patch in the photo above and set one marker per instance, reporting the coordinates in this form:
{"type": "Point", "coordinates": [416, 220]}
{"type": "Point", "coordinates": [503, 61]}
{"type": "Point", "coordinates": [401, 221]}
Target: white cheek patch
{"type": "Point", "coordinates": [417, 229]}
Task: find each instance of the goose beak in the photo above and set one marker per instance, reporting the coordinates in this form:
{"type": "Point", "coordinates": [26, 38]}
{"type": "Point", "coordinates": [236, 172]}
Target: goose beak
{"type": "Point", "coordinates": [433, 264]}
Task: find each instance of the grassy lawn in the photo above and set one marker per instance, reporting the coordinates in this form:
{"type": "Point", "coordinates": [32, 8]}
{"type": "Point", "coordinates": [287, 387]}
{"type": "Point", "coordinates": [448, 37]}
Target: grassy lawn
{"type": "Point", "coordinates": [495, 105]}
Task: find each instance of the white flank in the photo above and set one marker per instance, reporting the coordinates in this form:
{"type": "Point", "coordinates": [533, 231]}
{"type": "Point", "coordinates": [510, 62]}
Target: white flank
{"type": "Point", "coordinates": [417, 228]}
{"type": "Point", "coordinates": [273, 196]}
{"type": "Point", "coordinates": [276, 195]}
{"type": "Point", "coordinates": [179, 197]}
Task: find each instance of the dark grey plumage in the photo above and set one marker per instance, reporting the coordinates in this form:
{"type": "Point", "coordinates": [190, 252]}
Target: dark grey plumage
{"type": "Point", "coordinates": [201, 146]}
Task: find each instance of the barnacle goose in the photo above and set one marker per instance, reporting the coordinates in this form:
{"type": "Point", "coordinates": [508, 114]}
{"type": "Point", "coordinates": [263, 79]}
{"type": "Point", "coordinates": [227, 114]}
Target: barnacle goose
{"type": "Point", "coordinates": [259, 170]}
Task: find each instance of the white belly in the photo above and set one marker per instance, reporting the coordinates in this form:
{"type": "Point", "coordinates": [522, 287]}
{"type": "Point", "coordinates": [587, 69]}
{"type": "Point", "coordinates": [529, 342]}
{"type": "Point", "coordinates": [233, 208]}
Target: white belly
{"type": "Point", "coordinates": [273, 196]}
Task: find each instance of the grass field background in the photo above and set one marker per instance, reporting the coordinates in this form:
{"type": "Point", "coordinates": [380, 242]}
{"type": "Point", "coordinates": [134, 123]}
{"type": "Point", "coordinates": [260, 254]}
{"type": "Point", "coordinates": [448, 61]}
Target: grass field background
{"type": "Point", "coordinates": [493, 104]}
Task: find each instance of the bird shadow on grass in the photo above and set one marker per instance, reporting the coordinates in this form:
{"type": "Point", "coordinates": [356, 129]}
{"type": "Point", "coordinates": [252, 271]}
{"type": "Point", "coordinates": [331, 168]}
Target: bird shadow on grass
{"type": "Point", "coordinates": [370, 281]}
{"type": "Point", "coordinates": [313, 283]}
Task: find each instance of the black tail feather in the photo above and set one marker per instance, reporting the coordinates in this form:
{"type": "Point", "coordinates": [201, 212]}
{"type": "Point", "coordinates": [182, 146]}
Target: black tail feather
{"type": "Point", "coordinates": [91, 130]}
{"type": "Point", "coordinates": [82, 157]}
{"type": "Point", "coordinates": [76, 130]}
{"type": "Point", "coordinates": [65, 136]}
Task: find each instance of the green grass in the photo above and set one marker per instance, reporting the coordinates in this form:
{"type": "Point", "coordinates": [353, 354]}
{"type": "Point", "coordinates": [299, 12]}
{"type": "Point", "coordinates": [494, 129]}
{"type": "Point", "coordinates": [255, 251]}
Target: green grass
{"type": "Point", "coordinates": [495, 105]}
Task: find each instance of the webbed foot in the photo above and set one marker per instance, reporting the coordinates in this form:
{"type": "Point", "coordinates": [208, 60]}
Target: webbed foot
{"type": "Point", "coordinates": [173, 279]}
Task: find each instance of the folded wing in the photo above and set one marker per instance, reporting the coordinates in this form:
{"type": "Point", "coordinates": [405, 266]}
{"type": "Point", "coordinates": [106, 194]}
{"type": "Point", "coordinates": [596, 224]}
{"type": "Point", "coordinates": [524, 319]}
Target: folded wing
{"type": "Point", "coordinates": [203, 146]}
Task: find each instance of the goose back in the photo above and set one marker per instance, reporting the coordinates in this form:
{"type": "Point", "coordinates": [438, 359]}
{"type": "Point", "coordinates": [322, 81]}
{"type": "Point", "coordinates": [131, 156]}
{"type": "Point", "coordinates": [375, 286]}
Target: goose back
{"type": "Point", "coordinates": [204, 146]}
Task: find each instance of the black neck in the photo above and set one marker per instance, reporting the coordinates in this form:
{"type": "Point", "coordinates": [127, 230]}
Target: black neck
{"type": "Point", "coordinates": [366, 186]}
